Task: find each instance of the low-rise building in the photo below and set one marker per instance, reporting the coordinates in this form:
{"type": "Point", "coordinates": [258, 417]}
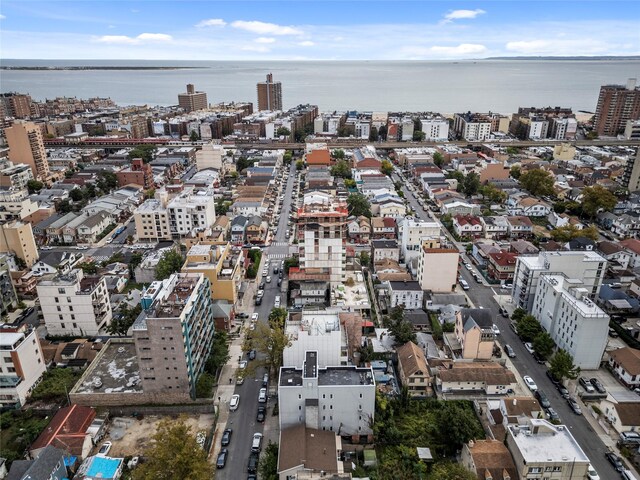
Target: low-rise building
{"type": "Point", "coordinates": [21, 365]}
{"type": "Point", "coordinates": [625, 365]}
{"type": "Point", "coordinates": [518, 410]}
{"type": "Point", "coordinates": [438, 269]}
{"type": "Point", "coordinates": [50, 464]}
{"type": "Point", "coordinates": [68, 430]}
{"type": "Point", "coordinates": [409, 295]}
{"type": "Point", "coordinates": [382, 249]}
{"type": "Point", "coordinates": [152, 222]}
{"type": "Point", "coordinates": [519, 226]}
{"type": "Point", "coordinates": [8, 297]}
{"type": "Point", "coordinates": [467, 226]}
{"type": "Point", "coordinates": [464, 377]}
{"type": "Point", "coordinates": [339, 399]}
{"type": "Point", "coordinates": [501, 265]}
{"type": "Point", "coordinates": [414, 371]}
{"type": "Point", "coordinates": [319, 331]}
{"type": "Point", "coordinates": [540, 447]}
{"type": "Point", "coordinates": [474, 332]}
{"type": "Point", "coordinates": [489, 460]}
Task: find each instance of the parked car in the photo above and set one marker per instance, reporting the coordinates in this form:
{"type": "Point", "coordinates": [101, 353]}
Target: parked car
{"type": "Point", "coordinates": [262, 413]}
{"type": "Point", "coordinates": [495, 329]}
{"type": "Point", "coordinates": [553, 379]}
{"type": "Point", "coordinates": [539, 358]}
{"type": "Point", "coordinates": [628, 475]}
{"type": "Point", "coordinates": [615, 460]}
{"type": "Point", "coordinates": [265, 380]}
{"type": "Point", "coordinates": [509, 351]}
{"type": "Point", "coordinates": [268, 279]}
{"type": "Point", "coordinates": [464, 284]}
{"type": "Point", "coordinates": [553, 415]}
{"type": "Point", "coordinates": [252, 464]}
{"type": "Point", "coordinates": [529, 347]}
{"type": "Point", "coordinates": [597, 385]}
{"type": "Point", "coordinates": [262, 285]}
{"type": "Point", "coordinates": [252, 354]}
{"type": "Point", "coordinates": [242, 316]}
{"type": "Point", "coordinates": [542, 398]}
{"type": "Point", "coordinates": [467, 266]}
{"type": "Point", "coordinates": [258, 301]}
{"type": "Point", "coordinates": [104, 449]}
{"type": "Point", "coordinates": [592, 474]}
{"type": "Point", "coordinates": [226, 437]}
{"type": "Point", "coordinates": [256, 443]}
{"type": "Point", "coordinates": [254, 317]}
{"type": "Point", "coordinates": [563, 391]}
{"type": "Point", "coordinates": [262, 396]}
{"type": "Point", "coordinates": [573, 403]}
{"type": "Point", "coordinates": [586, 384]}
{"type": "Point", "coordinates": [630, 438]}
{"type": "Point", "coordinates": [504, 313]}
{"type": "Point", "coordinates": [234, 402]}
{"type": "Point", "coordinates": [530, 383]}
{"type": "Point", "coordinates": [222, 458]}
{"type": "Point", "coordinates": [279, 281]}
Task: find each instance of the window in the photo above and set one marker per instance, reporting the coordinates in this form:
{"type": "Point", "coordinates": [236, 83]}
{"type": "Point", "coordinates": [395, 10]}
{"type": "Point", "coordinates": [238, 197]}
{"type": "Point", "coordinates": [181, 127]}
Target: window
{"type": "Point", "coordinates": [62, 291]}
{"type": "Point", "coordinates": [62, 325]}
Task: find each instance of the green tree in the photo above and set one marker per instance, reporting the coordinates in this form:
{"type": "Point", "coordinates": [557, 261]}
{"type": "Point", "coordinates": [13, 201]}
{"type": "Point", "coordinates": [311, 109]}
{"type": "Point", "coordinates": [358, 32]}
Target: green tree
{"type": "Point", "coordinates": [373, 134]}
{"type": "Point", "coordinates": [471, 184]}
{"type": "Point", "coordinates": [341, 169]}
{"type": "Point", "coordinates": [34, 186]}
{"type": "Point", "coordinates": [90, 191]}
{"type": "Point", "coordinates": [244, 162]}
{"type": "Point", "coordinates": [570, 231]}
{"type": "Point", "coordinates": [287, 157]}
{"type": "Point", "coordinates": [559, 207]}
{"type": "Point", "coordinates": [515, 172]}
{"type": "Point", "coordinates": [174, 454]}
{"type": "Point", "coordinates": [597, 198]}
{"type": "Point", "coordinates": [543, 344]}
{"type": "Point", "coordinates": [64, 206]}
{"type": "Point", "coordinates": [107, 181]}
{"type": "Point", "coordinates": [349, 183]}
{"type": "Point", "coordinates": [517, 314]}
{"type": "Point", "coordinates": [493, 194]}
{"type": "Point", "coordinates": [271, 342]}
{"type": "Point", "coordinates": [386, 167]}
{"type": "Point", "coordinates": [457, 175]}
{"type": "Point", "coordinates": [418, 135]}
{"type": "Point", "coordinates": [338, 154]}
{"type": "Point", "coordinates": [204, 385]}
{"type": "Point", "coordinates": [513, 150]}
{"type": "Point", "coordinates": [219, 355]}
{"type": "Point", "coordinates": [299, 165]}
{"type": "Point", "coordinates": [291, 262]}
{"type": "Point", "coordinates": [193, 136]}
{"type": "Point", "coordinates": [537, 182]}
{"type": "Point", "coordinates": [76, 195]}
{"type": "Point", "coordinates": [450, 471]}
{"type": "Point", "coordinates": [382, 132]}
{"type": "Point", "coordinates": [457, 424]}
{"type": "Point", "coordinates": [123, 320]}
{"type": "Point", "coordinates": [283, 132]}
{"type": "Point", "coordinates": [171, 262]}
{"type": "Point", "coordinates": [562, 366]}
{"type": "Point", "coordinates": [277, 317]}
{"type": "Point", "coordinates": [268, 467]}
{"type": "Point", "coordinates": [528, 328]}
{"type": "Point", "coordinates": [89, 268]}
{"type": "Point", "coordinates": [222, 207]}
{"type": "Point", "coordinates": [359, 205]}
{"type": "Point", "coordinates": [145, 151]}
{"type": "Point", "coordinates": [438, 159]}
{"type": "Point", "coordinates": [365, 258]}
{"type": "Point", "coordinates": [55, 384]}
{"type": "Point", "coordinates": [401, 329]}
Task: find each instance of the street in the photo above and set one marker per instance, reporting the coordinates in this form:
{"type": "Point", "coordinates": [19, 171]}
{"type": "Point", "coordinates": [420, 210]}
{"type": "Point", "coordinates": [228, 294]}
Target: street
{"type": "Point", "coordinates": [243, 420]}
{"type": "Point", "coordinates": [483, 296]}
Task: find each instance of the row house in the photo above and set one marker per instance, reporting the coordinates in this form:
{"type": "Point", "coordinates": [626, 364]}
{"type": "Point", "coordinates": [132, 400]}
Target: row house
{"type": "Point", "coordinates": [256, 230]}
{"type": "Point", "coordinates": [632, 246]}
{"type": "Point", "coordinates": [626, 225]}
{"type": "Point", "coordinates": [383, 228]}
{"type": "Point", "coordinates": [527, 206]}
{"type": "Point", "coordinates": [519, 226]}
{"type": "Point", "coordinates": [89, 230]}
{"type": "Point", "coordinates": [495, 227]}
{"type": "Point", "coordinates": [467, 226]}
{"type": "Point", "coordinates": [359, 229]}
{"type": "Point", "coordinates": [502, 265]}
{"type": "Point", "coordinates": [459, 207]}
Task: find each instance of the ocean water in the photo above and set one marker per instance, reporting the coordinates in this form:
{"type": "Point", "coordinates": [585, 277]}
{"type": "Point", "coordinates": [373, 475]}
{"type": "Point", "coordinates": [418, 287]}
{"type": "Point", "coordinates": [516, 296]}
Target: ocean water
{"type": "Point", "coordinates": [439, 86]}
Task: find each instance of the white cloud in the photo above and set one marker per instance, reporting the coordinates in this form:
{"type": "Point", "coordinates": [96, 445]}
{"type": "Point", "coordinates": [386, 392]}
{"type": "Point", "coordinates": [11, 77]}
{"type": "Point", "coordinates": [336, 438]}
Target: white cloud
{"type": "Point", "coordinates": [255, 48]}
{"type": "Point", "coordinates": [212, 22]}
{"type": "Point", "coordinates": [263, 28]}
{"type": "Point", "coordinates": [462, 49]}
{"type": "Point", "coordinates": [142, 38]}
{"type": "Point", "coordinates": [2, 17]}
{"type": "Point", "coordinates": [306, 43]}
{"type": "Point", "coordinates": [265, 40]}
{"type": "Point", "coordinates": [462, 14]}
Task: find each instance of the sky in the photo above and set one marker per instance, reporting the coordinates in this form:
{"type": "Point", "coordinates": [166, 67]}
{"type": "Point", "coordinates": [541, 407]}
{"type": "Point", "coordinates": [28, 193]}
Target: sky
{"type": "Point", "coordinates": [311, 30]}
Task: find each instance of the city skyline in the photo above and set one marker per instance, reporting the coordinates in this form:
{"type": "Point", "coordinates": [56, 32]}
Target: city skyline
{"type": "Point", "coordinates": [412, 30]}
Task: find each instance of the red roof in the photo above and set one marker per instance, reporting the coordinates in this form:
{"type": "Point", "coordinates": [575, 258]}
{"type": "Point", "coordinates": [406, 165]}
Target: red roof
{"type": "Point", "coordinates": [68, 427]}
{"type": "Point", "coordinates": [467, 220]}
{"type": "Point", "coordinates": [631, 244]}
{"type": "Point", "coordinates": [369, 162]}
{"type": "Point", "coordinates": [504, 259]}
{"type": "Point", "coordinates": [319, 157]}
{"type": "Point", "coordinates": [389, 222]}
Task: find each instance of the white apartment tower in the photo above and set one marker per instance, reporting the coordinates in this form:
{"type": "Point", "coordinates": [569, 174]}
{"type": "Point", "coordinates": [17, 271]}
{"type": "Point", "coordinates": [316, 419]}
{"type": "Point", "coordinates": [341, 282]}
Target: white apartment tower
{"type": "Point", "coordinates": [73, 304]}
{"type": "Point", "coordinates": [435, 128]}
{"type": "Point", "coordinates": [576, 323]}
{"type": "Point", "coordinates": [585, 266]}
{"type": "Point", "coordinates": [412, 233]}
{"type": "Point", "coordinates": [21, 364]}
{"type": "Point", "coordinates": [192, 210]}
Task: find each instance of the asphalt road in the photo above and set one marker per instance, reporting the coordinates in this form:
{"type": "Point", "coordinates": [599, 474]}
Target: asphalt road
{"type": "Point", "coordinates": [483, 296]}
{"type": "Point", "coordinates": [243, 421]}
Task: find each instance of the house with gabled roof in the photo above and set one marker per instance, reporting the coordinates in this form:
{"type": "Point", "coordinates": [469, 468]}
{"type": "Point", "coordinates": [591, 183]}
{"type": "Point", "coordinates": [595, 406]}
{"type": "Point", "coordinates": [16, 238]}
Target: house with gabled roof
{"type": "Point", "coordinates": [413, 370]}
{"type": "Point", "coordinates": [489, 460]}
{"type": "Point", "coordinates": [68, 431]}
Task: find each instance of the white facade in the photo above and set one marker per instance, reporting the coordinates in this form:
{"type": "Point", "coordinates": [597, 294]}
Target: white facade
{"type": "Point", "coordinates": [339, 399]}
{"type": "Point", "coordinates": [407, 128]}
{"type": "Point", "coordinates": [538, 129]}
{"type": "Point", "coordinates": [438, 269]}
{"type": "Point", "coordinates": [209, 157]}
{"type": "Point", "coordinates": [412, 233]}
{"type": "Point", "coordinates": [191, 210]}
{"type": "Point", "coordinates": [472, 129]}
{"type": "Point", "coordinates": [575, 323]}
{"type": "Point", "coordinates": [21, 365]}
{"type": "Point", "coordinates": [407, 294]}
{"type": "Point", "coordinates": [435, 129]}
{"type": "Point", "coordinates": [586, 266]}
{"type": "Point", "coordinates": [74, 305]}
{"type": "Point", "coordinates": [317, 331]}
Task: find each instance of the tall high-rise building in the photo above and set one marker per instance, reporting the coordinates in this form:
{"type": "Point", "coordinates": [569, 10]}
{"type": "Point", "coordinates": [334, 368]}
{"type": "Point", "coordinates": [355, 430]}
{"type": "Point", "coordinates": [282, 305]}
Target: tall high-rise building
{"type": "Point", "coordinates": [192, 100]}
{"type": "Point", "coordinates": [17, 105]}
{"type": "Point", "coordinates": [631, 175]}
{"type": "Point", "coordinates": [616, 105]}
{"type": "Point", "coordinates": [269, 94]}
{"type": "Point", "coordinates": [26, 145]}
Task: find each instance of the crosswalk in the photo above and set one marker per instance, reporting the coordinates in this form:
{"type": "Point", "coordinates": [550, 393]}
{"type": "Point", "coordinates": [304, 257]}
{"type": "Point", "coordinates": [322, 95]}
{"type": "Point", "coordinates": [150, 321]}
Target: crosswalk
{"type": "Point", "coordinates": [279, 244]}
{"type": "Point", "coordinates": [273, 256]}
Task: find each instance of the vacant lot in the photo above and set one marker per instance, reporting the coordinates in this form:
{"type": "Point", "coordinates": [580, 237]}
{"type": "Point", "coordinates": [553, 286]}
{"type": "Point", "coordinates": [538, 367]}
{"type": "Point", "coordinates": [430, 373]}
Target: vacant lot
{"type": "Point", "coordinates": [131, 436]}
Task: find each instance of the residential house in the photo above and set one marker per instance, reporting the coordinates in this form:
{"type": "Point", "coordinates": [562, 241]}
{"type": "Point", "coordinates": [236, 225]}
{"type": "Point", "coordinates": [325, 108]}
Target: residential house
{"type": "Point", "coordinates": [383, 228]}
{"type": "Point", "coordinates": [625, 365]}
{"type": "Point", "coordinates": [621, 411]}
{"type": "Point", "coordinates": [220, 228]}
{"type": "Point", "coordinates": [617, 257]}
{"type": "Point", "coordinates": [50, 464]}
{"type": "Point", "coordinates": [473, 377]}
{"type": "Point", "coordinates": [414, 371]}
{"type": "Point", "coordinates": [474, 332]}
{"type": "Point", "coordinates": [68, 431]}
{"type": "Point", "coordinates": [632, 246]}
{"type": "Point", "coordinates": [381, 249]}
{"type": "Point", "coordinates": [523, 247]}
{"type": "Point", "coordinates": [256, 230]}
{"type": "Point", "coordinates": [467, 226]}
{"type": "Point", "coordinates": [458, 207]}
{"type": "Point", "coordinates": [409, 295]}
{"type": "Point", "coordinates": [390, 208]}
{"type": "Point", "coordinates": [502, 265]}
{"type": "Point", "coordinates": [89, 230]}
{"type": "Point", "coordinates": [489, 460]}
{"type": "Point", "coordinates": [495, 227]}
{"type": "Point", "coordinates": [519, 226]}
{"type": "Point", "coordinates": [517, 410]}
{"type": "Point", "coordinates": [56, 262]}
{"type": "Point", "coordinates": [390, 270]}
{"type": "Point", "coordinates": [239, 230]}
{"type": "Point", "coordinates": [527, 206]}
{"type": "Point", "coordinates": [359, 229]}
{"type": "Point", "coordinates": [626, 225]}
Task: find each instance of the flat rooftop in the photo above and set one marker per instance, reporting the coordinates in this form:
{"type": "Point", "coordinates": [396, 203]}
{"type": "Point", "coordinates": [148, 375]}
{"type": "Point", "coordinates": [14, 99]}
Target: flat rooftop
{"type": "Point", "coordinates": [544, 442]}
{"type": "Point", "coordinates": [347, 375]}
{"type": "Point", "coordinates": [116, 366]}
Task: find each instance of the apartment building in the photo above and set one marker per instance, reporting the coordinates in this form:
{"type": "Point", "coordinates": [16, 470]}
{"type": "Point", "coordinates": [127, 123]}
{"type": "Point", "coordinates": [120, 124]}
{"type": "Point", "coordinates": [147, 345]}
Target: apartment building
{"type": "Point", "coordinates": [586, 266]}
{"type": "Point", "coordinates": [174, 333]}
{"type": "Point", "coordinates": [26, 145]}
{"type": "Point", "coordinates": [21, 364]}
{"type": "Point", "coordinates": [152, 222]}
{"type": "Point", "coordinates": [139, 173]}
{"type": "Point", "coordinates": [209, 156]}
{"type": "Point", "coordinates": [221, 264]}
{"type": "Point", "coordinates": [412, 234]}
{"type": "Point", "coordinates": [73, 304]}
{"type": "Point", "coordinates": [17, 238]}
{"type": "Point", "coordinates": [16, 204]}
{"type": "Point", "coordinates": [269, 94]}
{"type": "Point", "coordinates": [472, 127]}
{"type": "Point", "coordinates": [474, 333]}
{"type": "Point", "coordinates": [631, 176]}
{"type": "Point", "coordinates": [319, 331]}
{"type": "Point", "coordinates": [191, 210]}
{"type": "Point", "coordinates": [438, 269]}
{"type": "Point", "coordinates": [8, 297]}
{"type": "Point", "coordinates": [338, 399]}
{"type": "Point", "coordinates": [322, 235]}
{"type": "Point", "coordinates": [435, 128]}
{"type": "Point", "coordinates": [616, 105]}
{"type": "Point", "coordinates": [192, 100]}
{"type": "Point", "coordinates": [542, 449]}
{"type": "Point", "coordinates": [15, 177]}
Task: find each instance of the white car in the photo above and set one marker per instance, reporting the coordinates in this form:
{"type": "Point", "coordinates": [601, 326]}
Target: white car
{"type": "Point", "coordinates": [592, 474]}
{"type": "Point", "coordinates": [268, 279]}
{"type": "Point", "coordinates": [254, 317]}
{"type": "Point", "coordinates": [495, 329]}
{"type": "Point", "coordinates": [530, 383]}
{"type": "Point", "coordinates": [46, 247]}
{"type": "Point", "coordinates": [276, 303]}
{"type": "Point", "coordinates": [104, 449]}
{"type": "Point", "coordinates": [529, 347]}
{"type": "Point", "coordinates": [265, 272]}
{"type": "Point", "coordinates": [262, 396]}
{"type": "Point", "coordinates": [82, 247]}
{"type": "Point", "coordinates": [234, 402]}
{"type": "Point", "coordinates": [467, 266]}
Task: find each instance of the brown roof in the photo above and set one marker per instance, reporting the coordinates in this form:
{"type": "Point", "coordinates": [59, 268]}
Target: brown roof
{"type": "Point", "coordinates": [628, 358]}
{"type": "Point", "coordinates": [629, 413]}
{"type": "Point", "coordinates": [389, 222]}
{"type": "Point", "coordinates": [530, 201]}
{"type": "Point", "coordinates": [494, 457]}
{"type": "Point", "coordinates": [520, 220]}
{"type": "Point", "coordinates": [369, 162]}
{"type": "Point", "coordinates": [68, 427]}
{"type": "Point", "coordinates": [319, 157]}
{"type": "Point", "coordinates": [490, 373]}
{"type": "Point", "coordinates": [377, 222]}
{"type": "Point", "coordinates": [222, 221]}
{"type": "Point", "coordinates": [504, 259]}
{"type": "Point", "coordinates": [411, 357]}
{"type": "Point", "coordinates": [309, 448]}
{"type": "Point", "coordinates": [631, 244]}
{"type": "Point", "coordinates": [517, 406]}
